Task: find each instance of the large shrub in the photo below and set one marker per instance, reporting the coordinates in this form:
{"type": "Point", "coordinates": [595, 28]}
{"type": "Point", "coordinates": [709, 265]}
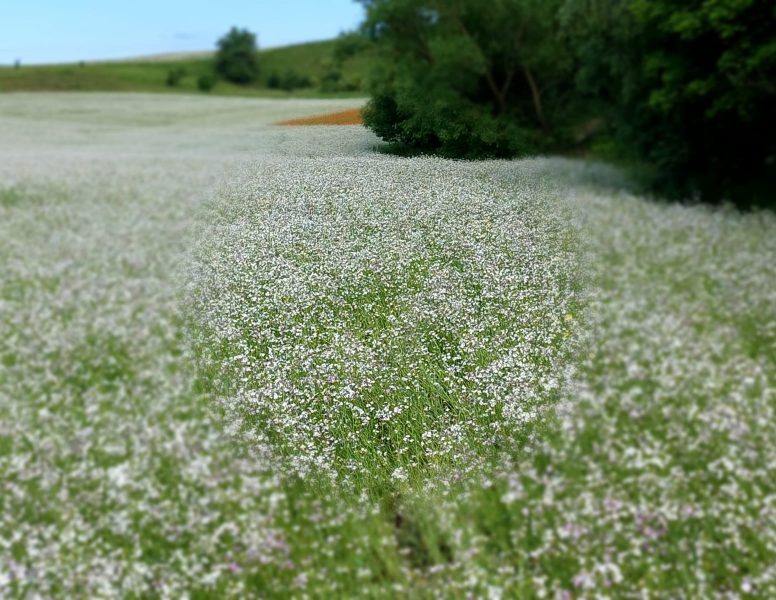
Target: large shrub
{"type": "Point", "coordinates": [206, 82]}
{"type": "Point", "coordinates": [463, 81]}
{"type": "Point", "coordinates": [237, 56]}
{"type": "Point", "coordinates": [174, 76]}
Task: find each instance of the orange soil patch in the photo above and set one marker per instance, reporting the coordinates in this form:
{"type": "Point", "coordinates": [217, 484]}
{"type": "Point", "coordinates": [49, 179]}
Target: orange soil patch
{"type": "Point", "coordinates": [345, 117]}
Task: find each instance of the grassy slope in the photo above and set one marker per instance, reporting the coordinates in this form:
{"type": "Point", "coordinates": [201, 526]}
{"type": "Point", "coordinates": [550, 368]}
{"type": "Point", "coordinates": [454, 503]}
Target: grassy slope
{"type": "Point", "coordinates": [142, 75]}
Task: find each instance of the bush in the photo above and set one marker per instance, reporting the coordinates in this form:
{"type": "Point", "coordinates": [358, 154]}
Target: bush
{"type": "Point", "coordinates": [289, 81]}
{"type": "Point", "coordinates": [206, 82]}
{"type": "Point", "coordinates": [174, 76]}
{"type": "Point", "coordinates": [273, 81]}
{"type": "Point", "coordinates": [237, 57]}
{"type": "Point", "coordinates": [292, 80]}
{"type": "Point", "coordinates": [330, 80]}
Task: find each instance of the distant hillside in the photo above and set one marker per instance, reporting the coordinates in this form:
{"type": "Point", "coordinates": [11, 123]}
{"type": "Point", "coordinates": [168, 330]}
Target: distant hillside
{"type": "Point", "coordinates": [309, 68]}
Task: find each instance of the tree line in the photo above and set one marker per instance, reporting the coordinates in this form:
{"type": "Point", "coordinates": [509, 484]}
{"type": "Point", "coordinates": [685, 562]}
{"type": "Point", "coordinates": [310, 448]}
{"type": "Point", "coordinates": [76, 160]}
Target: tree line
{"type": "Point", "coordinates": [686, 88]}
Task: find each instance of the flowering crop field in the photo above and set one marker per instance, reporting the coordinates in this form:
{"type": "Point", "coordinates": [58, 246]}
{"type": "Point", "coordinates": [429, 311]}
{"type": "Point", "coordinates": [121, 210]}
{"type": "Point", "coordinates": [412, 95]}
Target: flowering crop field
{"type": "Point", "coordinates": [242, 360]}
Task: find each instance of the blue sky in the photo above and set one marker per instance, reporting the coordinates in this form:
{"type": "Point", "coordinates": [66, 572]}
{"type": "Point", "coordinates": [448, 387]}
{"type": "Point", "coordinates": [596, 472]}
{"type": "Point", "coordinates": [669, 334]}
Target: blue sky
{"type": "Point", "coordinates": [42, 31]}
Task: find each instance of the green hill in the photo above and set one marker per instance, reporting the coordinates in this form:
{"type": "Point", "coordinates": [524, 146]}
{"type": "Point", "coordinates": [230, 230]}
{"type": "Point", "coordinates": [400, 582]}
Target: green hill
{"type": "Point", "coordinates": [312, 63]}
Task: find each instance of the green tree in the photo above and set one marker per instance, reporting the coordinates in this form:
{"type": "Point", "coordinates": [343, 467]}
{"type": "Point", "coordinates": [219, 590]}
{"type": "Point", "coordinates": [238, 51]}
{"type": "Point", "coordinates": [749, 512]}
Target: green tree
{"type": "Point", "coordinates": [466, 80]}
{"type": "Point", "coordinates": [689, 85]}
{"type": "Point", "coordinates": [237, 56]}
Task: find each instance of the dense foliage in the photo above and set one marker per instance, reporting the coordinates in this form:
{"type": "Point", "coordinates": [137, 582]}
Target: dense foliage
{"type": "Point", "coordinates": [690, 86]}
{"type": "Point", "coordinates": [237, 56]}
{"type": "Point", "coordinates": [464, 81]}
{"type": "Point", "coordinates": [288, 81]}
{"type": "Point", "coordinates": [206, 82]}
{"type": "Point", "coordinates": [686, 88]}
{"type": "Point", "coordinates": [174, 76]}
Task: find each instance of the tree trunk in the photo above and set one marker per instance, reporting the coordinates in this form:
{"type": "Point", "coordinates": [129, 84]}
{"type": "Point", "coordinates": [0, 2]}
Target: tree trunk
{"type": "Point", "coordinates": [500, 94]}
{"type": "Point", "coordinates": [536, 95]}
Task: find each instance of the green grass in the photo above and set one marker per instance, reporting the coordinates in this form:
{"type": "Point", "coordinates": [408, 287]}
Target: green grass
{"type": "Point", "coordinates": [312, 60]}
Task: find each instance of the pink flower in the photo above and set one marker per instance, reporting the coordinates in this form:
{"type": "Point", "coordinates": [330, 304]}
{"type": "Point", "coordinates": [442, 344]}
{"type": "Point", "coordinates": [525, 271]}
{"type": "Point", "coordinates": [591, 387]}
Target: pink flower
{"type": "Point", "coordinates": [234, 567]}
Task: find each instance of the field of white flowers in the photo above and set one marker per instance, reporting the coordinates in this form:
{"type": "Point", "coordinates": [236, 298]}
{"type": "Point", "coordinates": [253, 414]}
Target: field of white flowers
{"type": "Point", "coordinates": [240, 360]}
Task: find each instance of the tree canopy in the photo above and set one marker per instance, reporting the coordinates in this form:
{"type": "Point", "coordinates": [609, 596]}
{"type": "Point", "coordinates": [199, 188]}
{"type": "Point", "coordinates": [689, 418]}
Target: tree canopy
{"type": "Point", "coordinates": [237, 56]}
{"type": "Point", "coordinates": [464, 81]}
